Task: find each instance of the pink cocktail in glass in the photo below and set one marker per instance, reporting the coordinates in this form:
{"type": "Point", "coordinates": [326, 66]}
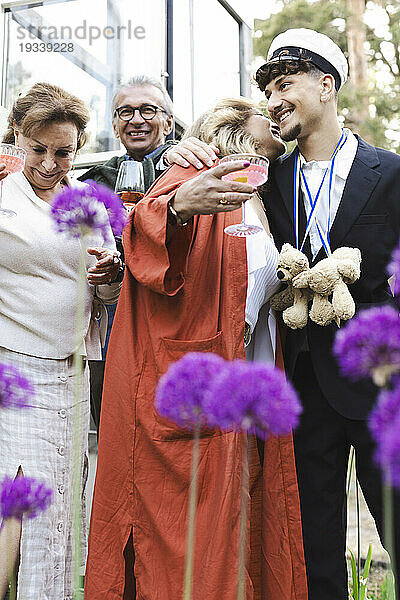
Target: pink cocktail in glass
{"type": "Point", "coordinates": [13, 163]}
{"type": "Point", "coordinates": [256, 174]}
{"type": "Point", "coordinates": [14, 159]}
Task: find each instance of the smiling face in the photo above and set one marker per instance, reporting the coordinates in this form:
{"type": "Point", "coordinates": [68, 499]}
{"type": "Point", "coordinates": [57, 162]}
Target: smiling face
{"type": "Point", "coordinates": [267, 135]}
{"type": "Point", "coordinates": [140, 137]}
{"type": "Point", "coordinates": [50, 153]}
{"type": "Point", "coordinates": [295, 103]}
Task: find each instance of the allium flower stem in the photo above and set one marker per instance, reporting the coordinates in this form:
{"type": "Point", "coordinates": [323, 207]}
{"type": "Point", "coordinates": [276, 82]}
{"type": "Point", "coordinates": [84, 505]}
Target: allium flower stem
{"type": "Point", "coordinates": [241, 588]}
{"type": "Point", "coordinates": [76, 426]}
{"type": "Point", "coordinates": [388, 522]}
{"type": "Point", "coordinates": [188, 580]}
{"type": "Point", "coordinates": [358, 533]}
{"type": "Point", "coordinates": [11, 565]}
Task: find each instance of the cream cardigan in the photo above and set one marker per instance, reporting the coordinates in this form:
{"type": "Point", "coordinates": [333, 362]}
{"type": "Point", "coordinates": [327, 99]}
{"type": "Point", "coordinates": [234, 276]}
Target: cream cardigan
{"type": "Point", "coordinates": [38, 279]}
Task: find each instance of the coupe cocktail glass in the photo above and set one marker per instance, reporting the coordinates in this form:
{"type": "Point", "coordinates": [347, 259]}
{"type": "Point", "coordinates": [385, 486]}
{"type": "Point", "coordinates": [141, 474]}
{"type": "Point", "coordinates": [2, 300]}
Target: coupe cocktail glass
{"type": "Point", "coordinates": [255, 174]}
{"type": "Point", "coordinates": [14, 159]}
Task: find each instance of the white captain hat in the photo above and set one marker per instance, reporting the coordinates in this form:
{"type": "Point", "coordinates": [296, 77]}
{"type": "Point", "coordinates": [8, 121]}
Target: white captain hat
{"type": "Point", "coordinates": [315, 47]}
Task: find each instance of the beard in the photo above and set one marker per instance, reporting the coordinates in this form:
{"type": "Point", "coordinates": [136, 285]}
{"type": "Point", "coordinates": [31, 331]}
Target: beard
{"type": "Point", "coordinates": [292, 134]}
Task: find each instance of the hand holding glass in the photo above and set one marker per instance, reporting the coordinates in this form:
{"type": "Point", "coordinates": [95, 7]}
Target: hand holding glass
{"type": "Point", "coordinates": [255, 174]}
{"type": "Point", "coordinates": [14, 159]}
{"type": "Point", "coordinates": [130, 183]}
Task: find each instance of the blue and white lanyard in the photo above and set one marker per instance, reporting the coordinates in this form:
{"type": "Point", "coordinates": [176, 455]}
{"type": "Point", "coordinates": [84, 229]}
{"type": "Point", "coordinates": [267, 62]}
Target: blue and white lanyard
{"type": "Point", "coordinates": [298, 172]}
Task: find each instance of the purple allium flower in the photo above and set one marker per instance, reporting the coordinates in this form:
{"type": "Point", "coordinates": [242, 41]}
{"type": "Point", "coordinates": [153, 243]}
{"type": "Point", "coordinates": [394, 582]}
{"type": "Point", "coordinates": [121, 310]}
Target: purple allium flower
{"type": "Point", "coordinates": [15, 390]}
{"type": "Point", "coordinates": [370, 345]}
{"type": "Point", "coordinates": [386, 410]}
{"type": "Point", "coordinates": [23, 496]}
{"type": "Point", "coordinates": [180, 391]}
{"type": "Point", "coordinates": [253, 397]}
{"type": "Point", "coordinates": [394, 269]}
{"type": "Point", "coordinates": [116, 212]}
{"type": "Point", "coordinates": [80, 211]}
{"type": "Point", "coordinates": [384, 424]}
{"type": "Point", "coordinates": [390, 453]}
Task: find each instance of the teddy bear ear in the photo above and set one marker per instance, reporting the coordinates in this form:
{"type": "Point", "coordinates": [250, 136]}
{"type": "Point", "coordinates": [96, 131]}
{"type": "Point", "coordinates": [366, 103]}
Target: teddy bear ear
{"type": "Point", "coordinates": [286, 247]}
{"type": "Point", "coordinates": [349, 271]}
{"type": "Point", "coordinates": [301, 261]}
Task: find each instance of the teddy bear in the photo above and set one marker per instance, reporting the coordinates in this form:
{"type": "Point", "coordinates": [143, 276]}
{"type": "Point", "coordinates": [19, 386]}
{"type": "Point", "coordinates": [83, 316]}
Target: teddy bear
{"type": "Point", "coordinates": [329, 278]}
{"type": "Point", "coordinates": [293, 302]}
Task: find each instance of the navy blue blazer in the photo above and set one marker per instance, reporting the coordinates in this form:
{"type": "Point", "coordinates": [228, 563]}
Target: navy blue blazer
{"type": "Point", "coordinates": [368, 218]}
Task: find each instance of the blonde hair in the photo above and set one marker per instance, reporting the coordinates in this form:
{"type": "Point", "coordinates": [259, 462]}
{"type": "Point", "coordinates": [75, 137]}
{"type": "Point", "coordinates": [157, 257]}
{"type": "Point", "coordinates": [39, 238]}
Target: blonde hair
{"type": "Point", "coordinates": [225, 126]}
{"type": "Point", "coordinates": [42, 105]}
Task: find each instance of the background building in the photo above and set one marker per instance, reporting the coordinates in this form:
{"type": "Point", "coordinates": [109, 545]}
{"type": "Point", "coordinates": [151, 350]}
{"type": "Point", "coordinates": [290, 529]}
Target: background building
{"type": "Point", "coordinates": [200, 49]}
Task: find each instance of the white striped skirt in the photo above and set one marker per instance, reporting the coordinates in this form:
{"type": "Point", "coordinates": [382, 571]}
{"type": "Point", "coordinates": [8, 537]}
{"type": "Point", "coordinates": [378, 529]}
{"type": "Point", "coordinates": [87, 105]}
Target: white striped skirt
{"type": "Point", "coordinates": [39, 439]}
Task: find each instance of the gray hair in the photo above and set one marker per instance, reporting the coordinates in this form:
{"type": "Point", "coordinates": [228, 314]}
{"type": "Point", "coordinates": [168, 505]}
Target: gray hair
{"type": "Point", "coordinates": [141, 81]}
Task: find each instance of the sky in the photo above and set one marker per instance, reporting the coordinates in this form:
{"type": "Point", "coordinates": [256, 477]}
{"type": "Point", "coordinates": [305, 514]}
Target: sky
{"type": "Point", "coordinates": [254, 9]}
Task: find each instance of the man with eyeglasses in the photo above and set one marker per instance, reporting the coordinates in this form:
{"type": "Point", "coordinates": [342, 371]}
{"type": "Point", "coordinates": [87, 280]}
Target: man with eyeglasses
{"type": "Point", "coordinates": [142, 116]}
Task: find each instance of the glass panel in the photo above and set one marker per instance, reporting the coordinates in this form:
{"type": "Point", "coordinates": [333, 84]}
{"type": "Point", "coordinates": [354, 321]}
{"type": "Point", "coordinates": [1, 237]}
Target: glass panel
{"type": "Point", "coordinates": [216, 42]}
{"type": "Point", "coordinates": [87, 47]}
{"type": "Point", "coordinates": [216, 56]}
{"type": "Point", "coordinates": [182, 61]}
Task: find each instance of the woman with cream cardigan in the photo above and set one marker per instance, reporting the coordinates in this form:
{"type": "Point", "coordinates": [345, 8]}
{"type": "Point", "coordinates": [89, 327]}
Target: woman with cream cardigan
{"type": "Point", "coordinates": [38, 293]}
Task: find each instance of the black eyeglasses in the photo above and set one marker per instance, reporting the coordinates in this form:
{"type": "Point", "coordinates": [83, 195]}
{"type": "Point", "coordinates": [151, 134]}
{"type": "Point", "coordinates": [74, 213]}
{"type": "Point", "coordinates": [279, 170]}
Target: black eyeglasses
{"type": "Point", "coordinates": [146, 111]}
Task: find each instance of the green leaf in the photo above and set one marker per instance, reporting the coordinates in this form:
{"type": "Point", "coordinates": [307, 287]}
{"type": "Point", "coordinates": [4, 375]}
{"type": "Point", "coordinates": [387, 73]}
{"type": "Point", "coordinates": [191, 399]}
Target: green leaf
{"type": "Point", "coordinates": [354, 576]}
{"type": "Point", "coordinates": [363, 588]}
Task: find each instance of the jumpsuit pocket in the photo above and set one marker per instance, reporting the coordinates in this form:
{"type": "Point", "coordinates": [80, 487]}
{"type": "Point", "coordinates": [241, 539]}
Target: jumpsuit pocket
{"type": "Point", "coordinates": [173, 350]}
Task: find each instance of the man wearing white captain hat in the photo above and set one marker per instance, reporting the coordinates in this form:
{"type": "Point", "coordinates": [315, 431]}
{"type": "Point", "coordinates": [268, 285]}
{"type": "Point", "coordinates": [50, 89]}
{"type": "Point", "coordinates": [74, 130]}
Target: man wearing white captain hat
{"type": "Point", "coordinates": [359, 206]}
{"type": "Point", "coordinates": [301, 79]}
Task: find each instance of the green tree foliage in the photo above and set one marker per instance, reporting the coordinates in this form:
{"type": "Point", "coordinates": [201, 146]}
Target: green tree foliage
{"type": "Point", "coordinates": [382, 127]}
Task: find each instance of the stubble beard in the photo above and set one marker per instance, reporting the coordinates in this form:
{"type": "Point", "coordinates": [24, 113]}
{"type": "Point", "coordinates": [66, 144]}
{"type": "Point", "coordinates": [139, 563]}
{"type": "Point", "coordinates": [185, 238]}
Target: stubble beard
{"type": "Point", "coordinates": [292, 134]}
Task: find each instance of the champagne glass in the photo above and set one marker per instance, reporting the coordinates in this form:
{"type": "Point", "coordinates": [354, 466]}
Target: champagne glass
{"type": "Point", "coordinates": [130, 183]}
{"type": "Point", "coordinates": [14, 159]}
{"type": "Point", "coordinates": [255, 174]}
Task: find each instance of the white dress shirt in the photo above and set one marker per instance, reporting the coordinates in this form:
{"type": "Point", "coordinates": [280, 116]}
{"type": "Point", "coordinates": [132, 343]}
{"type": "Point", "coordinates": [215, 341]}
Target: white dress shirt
{"type": "Point", "coordinates": [262, 282]}
{"type": "Point", "coordinates": [314, 171]}
{"type": "Point", "coordinates": [38, 278]}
